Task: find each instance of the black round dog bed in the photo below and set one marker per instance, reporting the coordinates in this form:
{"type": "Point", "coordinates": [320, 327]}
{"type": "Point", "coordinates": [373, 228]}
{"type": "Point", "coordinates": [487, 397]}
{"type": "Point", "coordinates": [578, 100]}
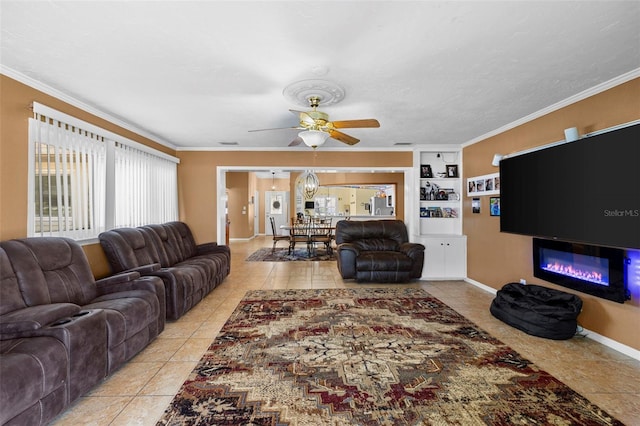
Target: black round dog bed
{"type": "Point", "coordinates": [537, 310]}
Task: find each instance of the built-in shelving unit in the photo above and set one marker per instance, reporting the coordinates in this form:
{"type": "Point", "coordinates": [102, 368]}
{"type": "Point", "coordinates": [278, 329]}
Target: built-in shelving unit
{"type": "Point", "coordinates": [439, 209]}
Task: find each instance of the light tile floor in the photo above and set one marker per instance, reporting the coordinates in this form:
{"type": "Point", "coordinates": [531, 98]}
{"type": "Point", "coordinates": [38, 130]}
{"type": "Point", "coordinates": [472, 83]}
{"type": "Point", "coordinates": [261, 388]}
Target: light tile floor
{"type": "Point", "coordinates": [140, 391]}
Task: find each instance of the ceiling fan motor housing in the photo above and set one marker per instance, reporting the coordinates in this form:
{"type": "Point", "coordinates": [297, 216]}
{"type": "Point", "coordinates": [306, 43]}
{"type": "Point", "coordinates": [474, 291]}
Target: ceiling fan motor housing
{"type": "Point", "coordinates": [314, 120]}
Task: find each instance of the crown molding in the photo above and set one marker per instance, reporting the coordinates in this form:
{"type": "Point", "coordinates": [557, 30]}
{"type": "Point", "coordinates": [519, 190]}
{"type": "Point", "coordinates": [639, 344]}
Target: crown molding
{"type": "Point", "coordinates": [51, 91]}
{"type": "Point", "coordinates": [621, 79]}
{"type": "Point", "coordinates": [288, 149]}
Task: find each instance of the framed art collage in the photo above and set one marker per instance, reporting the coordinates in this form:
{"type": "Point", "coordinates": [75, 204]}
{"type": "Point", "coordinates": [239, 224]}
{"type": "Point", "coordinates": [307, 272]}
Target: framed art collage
{"type": "Point", "coordinates": [483, 185]}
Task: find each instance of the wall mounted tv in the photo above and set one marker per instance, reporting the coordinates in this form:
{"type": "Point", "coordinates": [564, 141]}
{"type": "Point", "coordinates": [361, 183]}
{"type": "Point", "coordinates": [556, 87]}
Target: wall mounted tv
{"type": "Point", "coordinates": [585, 191]}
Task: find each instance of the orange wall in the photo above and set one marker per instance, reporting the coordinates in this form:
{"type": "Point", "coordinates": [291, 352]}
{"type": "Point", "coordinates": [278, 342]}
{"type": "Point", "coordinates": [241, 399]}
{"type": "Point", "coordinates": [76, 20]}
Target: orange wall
{"type": "Point", "coordinates": [197, 179]}
{"type": "Point", "coordinates": [494, 258]}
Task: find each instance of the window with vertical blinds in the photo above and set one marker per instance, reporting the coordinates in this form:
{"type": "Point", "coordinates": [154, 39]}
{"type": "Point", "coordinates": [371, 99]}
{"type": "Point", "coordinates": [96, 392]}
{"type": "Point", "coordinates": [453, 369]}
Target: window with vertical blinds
{"type": "Point", "coordinates": [146, 188]}
{"type": "Point", "coordinates": [68, 180]}
{"type": "Point", "coordinates": [83, 179]}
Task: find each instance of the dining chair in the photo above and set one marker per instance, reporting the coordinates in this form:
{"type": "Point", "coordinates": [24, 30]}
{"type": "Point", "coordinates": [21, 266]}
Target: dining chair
{"type": "Point", "coordinates": [276, 237]}
{"type": "Point", "coordinates": [299, 233]}
{"type": "Point", "coordinates": [321, 232]}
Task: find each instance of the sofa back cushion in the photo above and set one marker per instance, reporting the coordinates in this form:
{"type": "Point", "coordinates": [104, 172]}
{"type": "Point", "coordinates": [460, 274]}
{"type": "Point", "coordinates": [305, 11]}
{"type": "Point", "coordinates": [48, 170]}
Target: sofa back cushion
{"type": "Point", "coordinates": [163, 241]}
{"type": "Point", "coordinates": [10, 294]}
{"type": "Point", "coordinates": [51, 270]}
{"type": "Point", "coordinates": [185, 244]}
{"type": "Point", "coordinates": [377, 244]}
{"type": "Point", "coordinates": [128, 248]}
{"type": "Point", "coordinates": [372, 235]}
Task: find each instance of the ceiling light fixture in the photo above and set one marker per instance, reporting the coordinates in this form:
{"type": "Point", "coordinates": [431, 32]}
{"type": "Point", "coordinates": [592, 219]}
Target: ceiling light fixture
{"type": "Point", "coordinates": [309, 182]}
{"type": "Point", "coordinates": [313, 138]}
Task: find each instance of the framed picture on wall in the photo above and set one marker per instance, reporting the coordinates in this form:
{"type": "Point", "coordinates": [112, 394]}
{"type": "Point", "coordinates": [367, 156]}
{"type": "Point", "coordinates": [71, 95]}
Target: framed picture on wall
{"type": "Point", "coordinates": [425, 171]}
{"type": "Point", "coordinates": [452, 170]}
{"type": "Point", "coordinates": [475, 205]}
{"type": "Point", "coordinates": [494, 206]}
{"type": "Point", "coordinates": [483, 185]}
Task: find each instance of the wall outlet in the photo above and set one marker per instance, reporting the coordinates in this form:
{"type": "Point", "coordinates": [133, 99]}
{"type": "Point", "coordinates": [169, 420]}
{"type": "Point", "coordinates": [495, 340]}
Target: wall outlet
{"type": "Point", "coordinates": [523, 281]}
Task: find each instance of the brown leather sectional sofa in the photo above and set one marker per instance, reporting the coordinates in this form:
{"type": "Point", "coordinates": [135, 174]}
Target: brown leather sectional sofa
{"type": "Point", "coordinates": [62, 332]}
{"type": "Point", "coordinates": [189, 270]}
{"type": "Point", "coordinates": [378, 251]}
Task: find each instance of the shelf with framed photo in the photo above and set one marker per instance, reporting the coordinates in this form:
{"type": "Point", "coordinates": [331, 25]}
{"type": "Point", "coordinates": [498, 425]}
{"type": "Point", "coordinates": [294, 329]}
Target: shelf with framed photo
{"type": "Point", "coordinates": [439, 196]}
{"type": "Point", "coordinates": [438, 209]}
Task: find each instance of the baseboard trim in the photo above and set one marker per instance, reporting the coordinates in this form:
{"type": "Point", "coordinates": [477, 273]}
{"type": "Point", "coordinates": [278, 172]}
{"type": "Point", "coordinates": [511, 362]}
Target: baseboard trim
{"type": "Point", "coordinates": [482, 286]}
{"type": "Point", "coordinates": [617, 346]}
{"type": "Point", "coordinates": [606, 341]}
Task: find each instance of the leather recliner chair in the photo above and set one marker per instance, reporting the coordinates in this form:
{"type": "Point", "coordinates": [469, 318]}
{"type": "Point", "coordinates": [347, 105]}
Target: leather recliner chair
{"type": "Point", "coordinates": [378, 251]}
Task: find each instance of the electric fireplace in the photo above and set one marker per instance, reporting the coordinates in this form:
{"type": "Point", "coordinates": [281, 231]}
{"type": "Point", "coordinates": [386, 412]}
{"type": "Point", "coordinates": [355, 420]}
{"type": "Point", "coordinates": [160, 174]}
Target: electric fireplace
{"type": "Point", "coordinates": [594, 270]}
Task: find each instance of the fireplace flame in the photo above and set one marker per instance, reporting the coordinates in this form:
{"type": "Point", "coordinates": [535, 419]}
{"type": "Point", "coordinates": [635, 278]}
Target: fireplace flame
{"type": "Point", "coordinates": [571, 271]}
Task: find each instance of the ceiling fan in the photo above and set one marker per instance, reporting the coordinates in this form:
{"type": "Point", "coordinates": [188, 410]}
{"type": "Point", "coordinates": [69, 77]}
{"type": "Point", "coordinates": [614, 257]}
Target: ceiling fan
{"type": "Point", "coordinates": [316, 127]}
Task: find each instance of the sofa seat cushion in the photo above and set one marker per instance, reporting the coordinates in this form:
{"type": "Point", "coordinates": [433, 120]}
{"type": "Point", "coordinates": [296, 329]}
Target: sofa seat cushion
{"type": "Point", "coordinates": [31, 369]}
{"type": "Point", "coordinates": [383, 261]}
{"type": "Point", "coordinates": [127, 313]}
{"type": "Point", "coordinates": [205, 267]}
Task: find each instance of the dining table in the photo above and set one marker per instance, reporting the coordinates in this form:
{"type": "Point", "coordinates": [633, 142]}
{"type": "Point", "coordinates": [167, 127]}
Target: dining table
{"type": "Point", "coordinates": [310, 229]}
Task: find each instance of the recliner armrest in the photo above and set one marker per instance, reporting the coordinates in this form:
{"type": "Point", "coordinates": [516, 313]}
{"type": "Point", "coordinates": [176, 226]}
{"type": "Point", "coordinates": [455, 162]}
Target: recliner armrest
{"type": "Point", "coordinates": [146, 269]}
{"type": "Point", "coordinates": [349, 247]}
{"type": "Point", "coordinates": [412, 249]}
{"type": "Point", "coordinates": [118, 278]}
{"type": "Point", "coordinates": [211, 248]}
{"type": "Point", "coordinates": [346, 259]}
{"type": "Point", "coordinates": [23, 322]}
{"type": "Point", "coordinates": [131, 281]}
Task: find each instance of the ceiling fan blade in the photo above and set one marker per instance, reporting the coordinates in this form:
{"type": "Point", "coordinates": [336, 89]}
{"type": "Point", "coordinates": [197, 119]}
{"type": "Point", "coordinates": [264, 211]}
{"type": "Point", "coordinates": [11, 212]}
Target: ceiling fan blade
{"type": "Point", "coordinates": [297, 141]}
{"type": "Point", "coordinates": [344, 124]}
{"type": "Point", "coordinates": [304, 116]}
{"type": "Point", "coordinates": [343, 137]}
{"type": "Point", "coordinates": [277, 128]}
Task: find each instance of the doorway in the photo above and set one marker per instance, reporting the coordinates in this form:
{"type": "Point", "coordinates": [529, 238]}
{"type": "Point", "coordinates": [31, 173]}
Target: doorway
{"type": "Point", "coordinates": [406, 194]}
{"type": "Point", "coordinates": [276, 206]}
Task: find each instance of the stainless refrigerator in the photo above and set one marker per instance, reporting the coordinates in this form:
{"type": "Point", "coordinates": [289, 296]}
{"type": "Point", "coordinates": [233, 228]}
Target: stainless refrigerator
{"type": "Point", "coordinates": [379, 207]}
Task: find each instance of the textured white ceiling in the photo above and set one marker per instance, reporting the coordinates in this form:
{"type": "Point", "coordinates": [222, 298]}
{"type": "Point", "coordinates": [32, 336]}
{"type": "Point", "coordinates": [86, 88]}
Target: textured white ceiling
{"type": "Point", "coordinates": [198, 73]}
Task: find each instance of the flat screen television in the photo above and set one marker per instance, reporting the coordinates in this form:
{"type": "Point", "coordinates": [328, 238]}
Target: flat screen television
{"type": "Point", "coordinates": [584, 191]}
{"type": "Point", "coordinates": [310, 205]}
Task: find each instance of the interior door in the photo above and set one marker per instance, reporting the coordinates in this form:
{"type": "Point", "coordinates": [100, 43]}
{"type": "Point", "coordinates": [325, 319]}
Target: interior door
{"type": "Point", "coordinates": [276, 206]}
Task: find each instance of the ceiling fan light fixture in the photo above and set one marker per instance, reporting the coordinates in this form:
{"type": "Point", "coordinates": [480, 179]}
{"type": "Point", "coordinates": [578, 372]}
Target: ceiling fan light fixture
{"type": "Point", "coordinates": [313, 138]}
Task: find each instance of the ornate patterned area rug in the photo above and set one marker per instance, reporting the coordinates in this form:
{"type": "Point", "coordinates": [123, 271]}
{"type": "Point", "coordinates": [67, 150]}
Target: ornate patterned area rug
{"type": "Point", "coordinates": [367, 357]}
{"type": "Point", "coordinates": [283, 255]}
